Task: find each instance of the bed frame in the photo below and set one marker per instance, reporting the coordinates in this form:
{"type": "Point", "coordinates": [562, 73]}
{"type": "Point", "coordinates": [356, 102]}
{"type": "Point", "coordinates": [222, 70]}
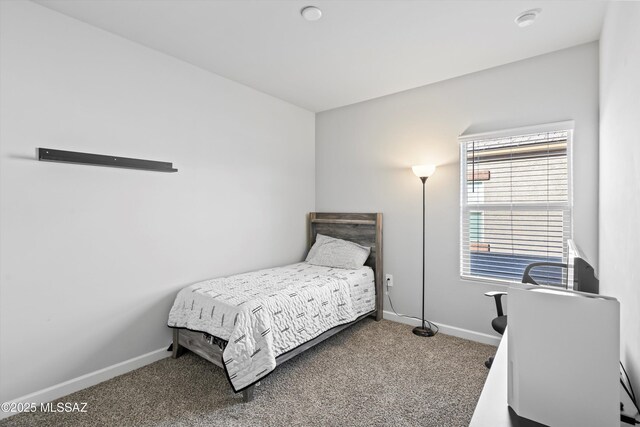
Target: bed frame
{"type": "Point", "coordinates": [362, 228]}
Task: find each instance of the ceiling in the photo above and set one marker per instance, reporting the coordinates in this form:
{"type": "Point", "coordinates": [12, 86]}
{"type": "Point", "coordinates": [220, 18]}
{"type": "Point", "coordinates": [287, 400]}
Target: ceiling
{"type": "Point", "coordinates": [359, 50]}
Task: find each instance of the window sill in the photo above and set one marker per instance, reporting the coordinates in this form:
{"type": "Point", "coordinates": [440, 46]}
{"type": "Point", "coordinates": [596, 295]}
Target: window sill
{"type": "Point", "coordinates": [502, 282]}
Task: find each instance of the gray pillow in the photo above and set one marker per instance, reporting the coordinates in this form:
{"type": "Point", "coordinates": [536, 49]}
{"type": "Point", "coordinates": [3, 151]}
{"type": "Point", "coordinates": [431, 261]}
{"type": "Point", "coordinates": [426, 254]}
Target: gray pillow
{"type": "Point", "coordinates": [332, 252]}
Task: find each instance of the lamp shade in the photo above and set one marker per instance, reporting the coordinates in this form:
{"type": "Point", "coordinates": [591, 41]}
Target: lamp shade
{"type": "Point", "coordinates": [424, 171]}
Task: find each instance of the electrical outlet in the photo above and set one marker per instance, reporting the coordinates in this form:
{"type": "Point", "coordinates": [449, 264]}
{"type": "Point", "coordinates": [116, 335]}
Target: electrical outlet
{"type": "Point", "coordinates": [389, 280]}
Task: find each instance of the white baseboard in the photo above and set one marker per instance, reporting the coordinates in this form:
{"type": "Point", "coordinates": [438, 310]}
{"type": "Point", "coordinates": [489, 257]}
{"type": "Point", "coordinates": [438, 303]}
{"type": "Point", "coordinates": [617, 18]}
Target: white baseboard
{"type": "Point", "coordinates": [448, 330]}
{"type": "Point", "coordinates": [59, 390]}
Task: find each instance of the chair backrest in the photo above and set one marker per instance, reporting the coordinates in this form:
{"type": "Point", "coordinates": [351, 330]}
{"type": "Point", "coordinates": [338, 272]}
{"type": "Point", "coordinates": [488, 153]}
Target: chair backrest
{"type": "Point", "coordinates": [526, 276]}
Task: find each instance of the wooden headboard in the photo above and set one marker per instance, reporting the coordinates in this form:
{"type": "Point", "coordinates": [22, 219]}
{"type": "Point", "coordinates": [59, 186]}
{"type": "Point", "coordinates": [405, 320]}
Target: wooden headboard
{"type": "Point", "coordinates": [362, 228]}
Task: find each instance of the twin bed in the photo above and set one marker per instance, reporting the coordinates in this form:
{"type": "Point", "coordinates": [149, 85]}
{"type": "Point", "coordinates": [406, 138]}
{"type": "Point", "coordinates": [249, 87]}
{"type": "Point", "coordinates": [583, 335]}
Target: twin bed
{"type": "Point", "coordinates": [247, 324]}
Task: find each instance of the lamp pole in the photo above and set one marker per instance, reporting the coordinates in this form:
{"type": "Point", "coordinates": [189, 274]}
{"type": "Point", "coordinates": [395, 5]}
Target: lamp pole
{"type": "Point", "coordinates": [422, 330]}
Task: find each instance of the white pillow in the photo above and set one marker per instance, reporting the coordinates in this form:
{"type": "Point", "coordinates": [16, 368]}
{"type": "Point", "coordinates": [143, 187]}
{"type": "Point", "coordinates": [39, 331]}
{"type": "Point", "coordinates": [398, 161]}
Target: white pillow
{"type": "Point", "coordinates": [332, 252]}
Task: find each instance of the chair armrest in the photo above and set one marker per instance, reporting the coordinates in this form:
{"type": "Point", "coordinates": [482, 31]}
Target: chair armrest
{"type": "Point", "coordinates": [494, 293]}
{"type": "Point", "coordinates": [497, 295]}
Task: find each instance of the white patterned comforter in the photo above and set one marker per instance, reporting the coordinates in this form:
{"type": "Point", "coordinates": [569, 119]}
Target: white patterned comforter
{"type": "Point", "coordinates": [266, 313]}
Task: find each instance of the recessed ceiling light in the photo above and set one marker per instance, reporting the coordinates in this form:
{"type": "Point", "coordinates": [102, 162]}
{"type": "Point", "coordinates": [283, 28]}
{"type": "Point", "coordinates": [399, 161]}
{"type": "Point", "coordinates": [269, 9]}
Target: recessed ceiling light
{"type": "Point", "coordinates": [526, 18]}
{"type": "Point", "coordinates": [311, 13]}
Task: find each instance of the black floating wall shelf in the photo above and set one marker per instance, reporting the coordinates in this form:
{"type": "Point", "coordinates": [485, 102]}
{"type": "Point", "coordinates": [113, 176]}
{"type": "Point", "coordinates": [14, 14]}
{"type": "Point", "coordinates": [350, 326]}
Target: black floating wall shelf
{"type": "Point", "coordinates": [50, 155]}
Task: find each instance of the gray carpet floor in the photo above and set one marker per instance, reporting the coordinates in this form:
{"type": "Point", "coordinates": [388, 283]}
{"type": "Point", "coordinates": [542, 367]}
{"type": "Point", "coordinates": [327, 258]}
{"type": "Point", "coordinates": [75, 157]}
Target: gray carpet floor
{"type": "Point", "coordinates": [372, 374]}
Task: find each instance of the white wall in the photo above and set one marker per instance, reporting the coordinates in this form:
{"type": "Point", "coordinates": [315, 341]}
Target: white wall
{"type": "Point", "coordinates": [364, 153]}
{"type": "Point", "coordinates": [620, 173]}
{"type": "Point", "coordinates": [92, 257]}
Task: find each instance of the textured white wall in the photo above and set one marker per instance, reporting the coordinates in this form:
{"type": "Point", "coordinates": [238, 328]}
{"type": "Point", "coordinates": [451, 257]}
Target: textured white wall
{"type": "Point", "coordinates": [92, 257]}
{"type": "Point", "coordinates": [364, 153]}
{"type": "Point", "coordinates": [620, 173]}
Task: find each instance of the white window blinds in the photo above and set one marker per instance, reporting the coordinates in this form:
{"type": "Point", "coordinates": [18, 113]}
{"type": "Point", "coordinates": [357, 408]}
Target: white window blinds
{"type": "Point", "coordinates": [515, 205]}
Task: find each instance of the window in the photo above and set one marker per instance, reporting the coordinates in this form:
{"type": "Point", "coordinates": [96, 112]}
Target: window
{"type": "Point", "coordinates": [516, 203]}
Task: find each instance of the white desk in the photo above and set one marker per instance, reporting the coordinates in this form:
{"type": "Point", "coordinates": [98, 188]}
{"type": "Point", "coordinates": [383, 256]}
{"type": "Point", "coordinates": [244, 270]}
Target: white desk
{"type": "Point", "coordinates": [492, 409]}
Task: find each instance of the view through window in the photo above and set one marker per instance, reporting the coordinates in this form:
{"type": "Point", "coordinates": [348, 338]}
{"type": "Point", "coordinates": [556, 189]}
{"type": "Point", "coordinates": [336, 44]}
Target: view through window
{"type": "Point", "coordinates": [515, 205]}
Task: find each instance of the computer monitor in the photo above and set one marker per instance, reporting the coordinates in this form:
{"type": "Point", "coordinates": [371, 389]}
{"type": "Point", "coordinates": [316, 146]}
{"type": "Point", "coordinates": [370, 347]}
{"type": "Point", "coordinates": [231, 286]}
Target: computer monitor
{"type": "Point", "coordinates": [580, 274]}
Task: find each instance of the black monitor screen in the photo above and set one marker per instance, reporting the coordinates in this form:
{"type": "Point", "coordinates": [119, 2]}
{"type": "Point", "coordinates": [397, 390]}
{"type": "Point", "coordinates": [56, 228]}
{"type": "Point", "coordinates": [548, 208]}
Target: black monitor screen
{"type": "Point", "coordinates": [580, 275]}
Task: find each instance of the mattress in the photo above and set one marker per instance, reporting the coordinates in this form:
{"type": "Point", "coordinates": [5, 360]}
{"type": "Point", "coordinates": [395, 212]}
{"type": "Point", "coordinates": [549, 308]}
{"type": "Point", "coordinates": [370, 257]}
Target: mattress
{"type": "Point", "coordinates": [266, 313]}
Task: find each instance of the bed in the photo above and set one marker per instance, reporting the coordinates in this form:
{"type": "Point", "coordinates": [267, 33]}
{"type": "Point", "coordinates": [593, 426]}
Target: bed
{"type": "Point", "coordinates": [247, 324]}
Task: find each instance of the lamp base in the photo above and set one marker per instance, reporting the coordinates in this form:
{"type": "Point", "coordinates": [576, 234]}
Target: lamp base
{"type": "Point", "coordinates": [423, 332]}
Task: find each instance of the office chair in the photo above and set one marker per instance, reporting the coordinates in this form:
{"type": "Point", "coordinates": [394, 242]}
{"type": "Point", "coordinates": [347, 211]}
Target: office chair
{"type": "Point", "coordinates": [499, 323]}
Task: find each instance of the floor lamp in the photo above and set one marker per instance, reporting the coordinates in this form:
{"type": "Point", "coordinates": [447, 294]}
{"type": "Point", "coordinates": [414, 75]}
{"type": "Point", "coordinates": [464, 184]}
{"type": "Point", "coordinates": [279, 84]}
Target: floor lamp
{"type": "Point", "coordinates": [423, 172]}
